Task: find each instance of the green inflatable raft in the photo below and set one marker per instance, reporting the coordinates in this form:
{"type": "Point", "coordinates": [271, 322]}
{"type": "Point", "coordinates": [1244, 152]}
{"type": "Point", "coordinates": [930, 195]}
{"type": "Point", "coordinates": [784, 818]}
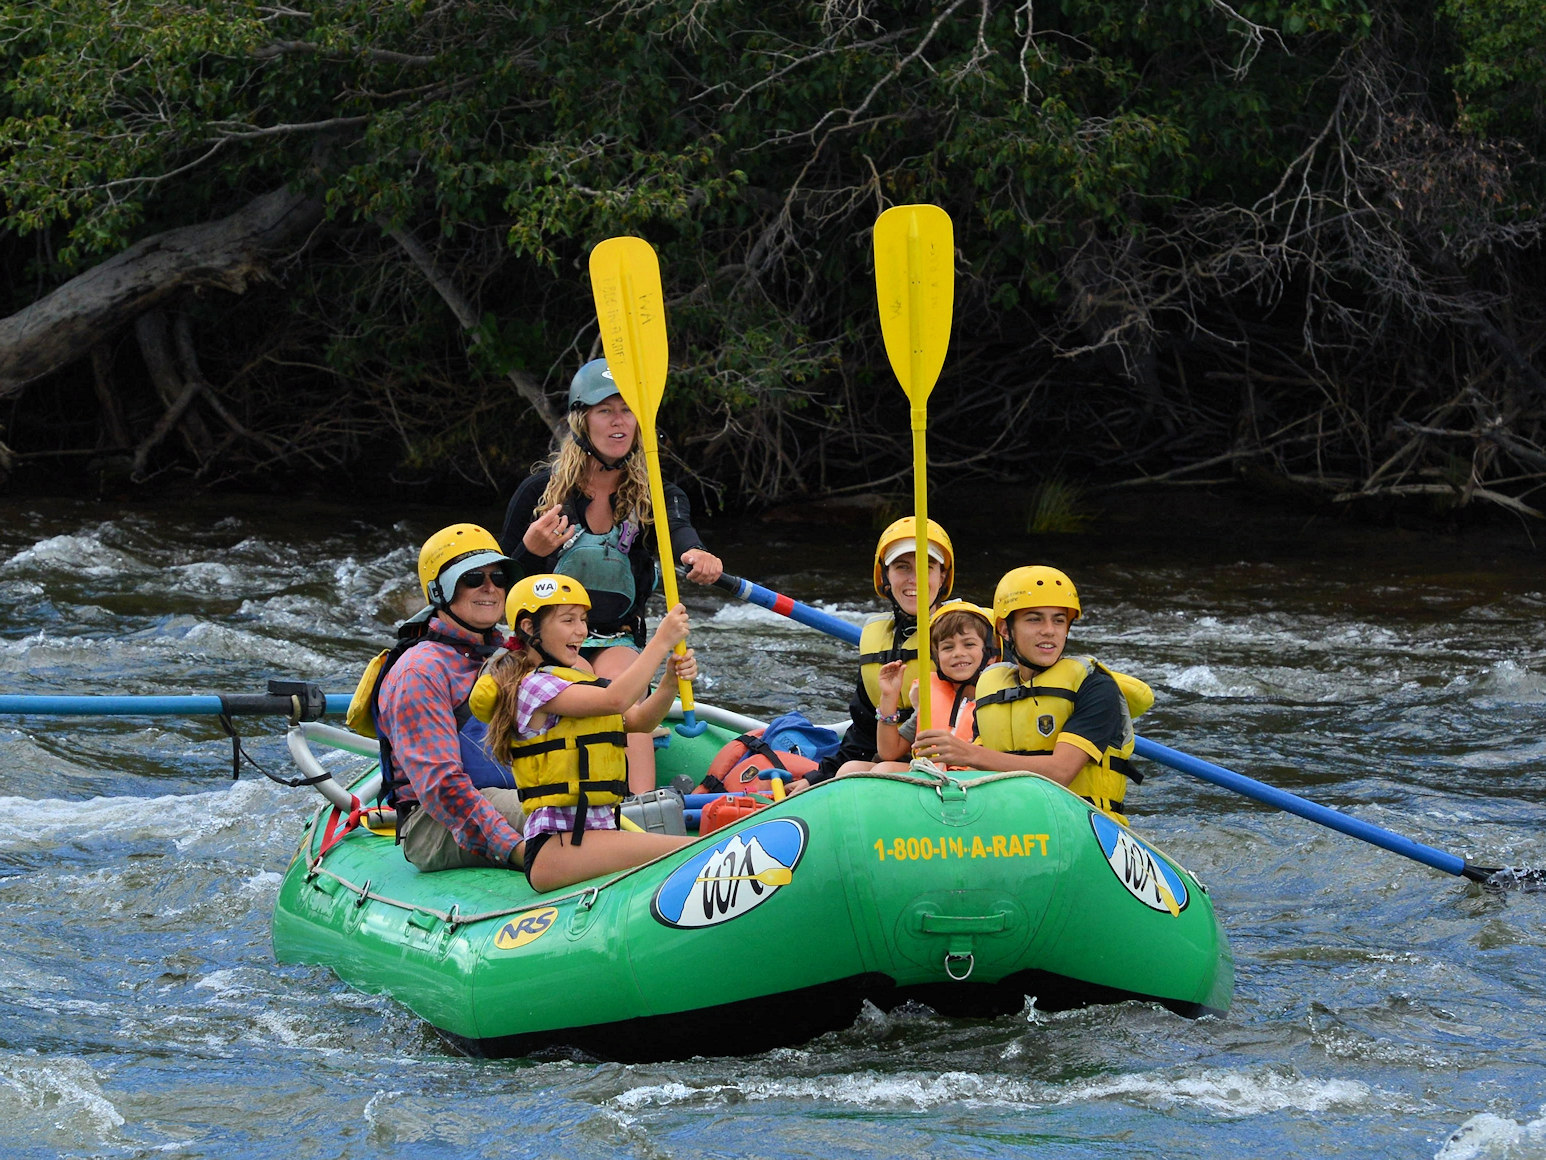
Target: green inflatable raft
{"type": "Point", "coordinates": [968, 892]}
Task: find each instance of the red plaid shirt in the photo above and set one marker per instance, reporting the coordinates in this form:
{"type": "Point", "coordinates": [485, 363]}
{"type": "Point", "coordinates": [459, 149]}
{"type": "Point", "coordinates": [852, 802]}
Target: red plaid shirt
{"type": "Point", "coordinates": [417, 711]}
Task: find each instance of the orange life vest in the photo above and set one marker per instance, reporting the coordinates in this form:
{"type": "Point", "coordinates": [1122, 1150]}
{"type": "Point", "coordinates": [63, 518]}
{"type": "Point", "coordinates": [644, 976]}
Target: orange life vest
{"type": "Point", "coordinates": [950, 708]}
{"type": "Point", "coordinates": [741, 765]}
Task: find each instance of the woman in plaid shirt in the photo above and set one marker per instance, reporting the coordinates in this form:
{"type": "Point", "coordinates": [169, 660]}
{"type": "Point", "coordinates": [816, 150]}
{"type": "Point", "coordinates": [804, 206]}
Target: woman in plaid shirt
{"type": "Point", "coordinates": [455, 805]}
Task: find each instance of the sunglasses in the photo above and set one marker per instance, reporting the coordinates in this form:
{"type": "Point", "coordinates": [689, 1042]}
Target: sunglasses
{"type": "Point", "coordinates": [476, 579]}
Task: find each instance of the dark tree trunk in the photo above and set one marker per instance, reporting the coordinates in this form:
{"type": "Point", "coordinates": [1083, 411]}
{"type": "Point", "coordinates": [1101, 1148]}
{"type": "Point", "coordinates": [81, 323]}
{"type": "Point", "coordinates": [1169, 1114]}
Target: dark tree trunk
{"type": "Point", "coordinates": [228, 254]}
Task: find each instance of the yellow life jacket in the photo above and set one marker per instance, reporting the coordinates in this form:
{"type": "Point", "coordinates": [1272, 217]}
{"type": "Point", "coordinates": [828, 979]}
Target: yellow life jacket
{"type": "Point", "coordinates": [1026, 717]}
{"type": "Point", "coordinates": [579, 761]}
{"type": "Point", "coordinates": [879, 645]}
{"type": "Point", "coordinates": [950, 708]}
{"type": "Point", "coordinates": [361, 714]}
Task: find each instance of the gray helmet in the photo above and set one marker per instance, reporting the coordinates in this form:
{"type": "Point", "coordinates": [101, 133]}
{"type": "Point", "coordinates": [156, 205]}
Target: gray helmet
{"type": "Point", "coordinates": [592, 383]}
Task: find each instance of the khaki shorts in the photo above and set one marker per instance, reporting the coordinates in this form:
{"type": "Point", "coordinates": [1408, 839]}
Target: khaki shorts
{"type": "Point", "coordinates": [429, 845]}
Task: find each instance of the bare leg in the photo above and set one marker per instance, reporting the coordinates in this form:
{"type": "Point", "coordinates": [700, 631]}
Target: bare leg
{"type": "Point", "coordinates": [610, 663]}
{"type": "Point", "coordinates": [561, 863]}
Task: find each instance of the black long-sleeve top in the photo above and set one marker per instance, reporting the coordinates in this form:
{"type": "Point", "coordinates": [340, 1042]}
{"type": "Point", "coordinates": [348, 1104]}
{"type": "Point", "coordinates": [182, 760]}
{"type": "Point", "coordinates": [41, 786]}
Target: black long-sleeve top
{"type": "Point", "coordinates": [641, 559]}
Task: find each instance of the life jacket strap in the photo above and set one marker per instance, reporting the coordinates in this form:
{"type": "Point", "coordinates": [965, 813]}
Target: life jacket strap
{"type": "Point", "coordinates": [586, 787]}
{"type": "Point", "coordinates": [1127, 769]}
{"type": "Point", "coordinates": [1011, 693]}
{"type": "Point", "coordinates": [580, 742]}
{"type": "Point", "coordinates": [886, 656]}
{"type": "Point", "coordinates": [761, 748]}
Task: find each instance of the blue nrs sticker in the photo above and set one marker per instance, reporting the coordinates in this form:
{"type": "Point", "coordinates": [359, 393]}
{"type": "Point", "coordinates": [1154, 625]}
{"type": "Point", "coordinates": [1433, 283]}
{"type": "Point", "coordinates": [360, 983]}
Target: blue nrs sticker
{"type": "Point", "coordinates": [735, 875]}
{"type": "Point", "coordinates": [1142, 872]}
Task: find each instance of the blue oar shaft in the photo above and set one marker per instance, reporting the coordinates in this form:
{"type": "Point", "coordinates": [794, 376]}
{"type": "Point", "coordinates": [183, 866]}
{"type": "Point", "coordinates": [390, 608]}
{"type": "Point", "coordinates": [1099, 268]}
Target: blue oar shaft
{"type": "Point", "coordinates": [134, 705]}
{"type": "Point", "coordinates": [784, 606]}
{"type": "Point", "coordinates": [1174, 758]}
{"type": "Point", "coordinates": [1293, 804]}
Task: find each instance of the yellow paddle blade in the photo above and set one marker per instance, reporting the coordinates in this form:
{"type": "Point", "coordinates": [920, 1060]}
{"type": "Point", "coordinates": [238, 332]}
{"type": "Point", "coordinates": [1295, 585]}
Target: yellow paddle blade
{"type": "Point", "coordinates": [915, 287]}
{"type": "Point", "coordinates": [631, 311]}
{"type": "Point", "coordinates": [772, 876]}
{"type": "Point", "coordinates": [625, 279]}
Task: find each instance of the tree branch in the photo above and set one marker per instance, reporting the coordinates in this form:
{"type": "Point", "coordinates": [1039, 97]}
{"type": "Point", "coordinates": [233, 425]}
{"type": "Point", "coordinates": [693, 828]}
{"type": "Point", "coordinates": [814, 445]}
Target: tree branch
{"type": "Point", "coordinates": [228, 254]}
{"type": "Point", "coordinates": [526, 386]}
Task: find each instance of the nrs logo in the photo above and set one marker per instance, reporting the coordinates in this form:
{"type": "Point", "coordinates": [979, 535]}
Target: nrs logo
{"type": "Point", "coordinates": [527, 928]}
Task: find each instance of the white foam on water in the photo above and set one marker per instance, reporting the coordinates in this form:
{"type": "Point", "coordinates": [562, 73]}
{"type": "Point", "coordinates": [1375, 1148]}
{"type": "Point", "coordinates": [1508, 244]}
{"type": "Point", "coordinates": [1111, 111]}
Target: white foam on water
{"type": "Point", "coordinates": [1491, 1137]}
{"type": "Point", "coordinates": [379, 577]}
{"type": "Point", "coordinates": [83, 552]}
{"type": "Point", "coordinates": [27, 823]}
{"type": "Point", "coordinates": [1205, 682]}
{"type": "Point", "coordinates": [222, 644]}
{"type": "Point", "coordinates": [916, 1091]}
{"type": "Point", "coordinates": [1228, 1094]}
{"type": "Point", "coordinates": [1233, 1093]}
{"type": "Point", "coordinates": [43, 650]}
{"type": "Point", "coordinates": [64, 1091]}
{"type": "Point", "coordinates": [1516, 756]}
{"type": "Point", "coordinates": [263, 882]}
{"type": "Point", "coordinates": [201, 576]}
{"type": "Point", "coordinates": [369, 1113]}
{"type": "Point", "coordinates": [225, 983]}
{"type": "Point", "coordinates": [22, 591]}
{"type": "Point", "coordinates": [181, 641]}
{"type": "Point", "coordinates": [1508, 679]}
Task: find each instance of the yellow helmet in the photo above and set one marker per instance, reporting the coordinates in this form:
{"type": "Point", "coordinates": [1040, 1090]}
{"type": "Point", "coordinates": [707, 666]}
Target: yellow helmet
{"type": "Point", "coordinates": [450, 552]}
{"type": "Point", "coordinates": [964, 606]}
{"type": "Point", "coordinates": [899, 538]}
{"type": "Point", "coordinates": [541, 591]}
{"type": "Point", "coordinates": [1035, 586]}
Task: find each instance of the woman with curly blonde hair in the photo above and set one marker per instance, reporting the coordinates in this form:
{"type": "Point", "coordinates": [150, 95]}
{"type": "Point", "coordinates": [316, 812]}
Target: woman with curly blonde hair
{"type": "Point", "coordinates": [586, 513]}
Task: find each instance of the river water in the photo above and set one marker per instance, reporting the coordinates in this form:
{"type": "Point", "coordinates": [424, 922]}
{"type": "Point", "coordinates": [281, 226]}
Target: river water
{"type": "Point", "coordinates": [1382, 1008]}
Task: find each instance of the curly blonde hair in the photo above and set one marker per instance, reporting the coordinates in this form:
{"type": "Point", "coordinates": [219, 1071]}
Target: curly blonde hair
{"type": "Point", "coordinates": [569, 464]}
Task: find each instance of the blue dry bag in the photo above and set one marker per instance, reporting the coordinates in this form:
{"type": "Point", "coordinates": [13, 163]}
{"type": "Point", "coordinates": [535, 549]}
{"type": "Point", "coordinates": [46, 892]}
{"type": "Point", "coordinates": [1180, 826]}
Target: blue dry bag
{"type": "Point", "coordinates": [792, 733]}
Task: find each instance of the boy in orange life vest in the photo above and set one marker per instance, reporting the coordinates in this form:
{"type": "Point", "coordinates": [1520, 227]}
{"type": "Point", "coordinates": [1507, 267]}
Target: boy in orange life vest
{"type": "Point", "coordinates": [962, 643]}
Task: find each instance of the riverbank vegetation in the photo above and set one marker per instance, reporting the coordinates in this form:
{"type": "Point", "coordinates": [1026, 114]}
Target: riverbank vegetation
{"type": "Point", "coordinates": [1291, 242]}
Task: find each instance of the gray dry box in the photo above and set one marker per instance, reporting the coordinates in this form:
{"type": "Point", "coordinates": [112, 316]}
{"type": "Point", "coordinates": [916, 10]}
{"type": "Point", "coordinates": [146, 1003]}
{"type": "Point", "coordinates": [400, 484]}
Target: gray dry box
{"type": "Point", "coordinates": [657, 812]}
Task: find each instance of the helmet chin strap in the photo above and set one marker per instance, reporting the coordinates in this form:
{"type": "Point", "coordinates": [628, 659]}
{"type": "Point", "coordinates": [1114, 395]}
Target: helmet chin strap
{"type": "Point", "coordinates": [445, 610]}
{"type": "Point", "coordinates": [606, 465]}
{"type": "Point", "coordinates": [1012, 655]}
{"type": "Point", "coordinates": [903, 619]}
{"type": "Point", "coordinates": [533, 640]}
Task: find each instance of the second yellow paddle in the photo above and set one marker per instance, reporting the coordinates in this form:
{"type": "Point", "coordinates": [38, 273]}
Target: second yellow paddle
{"type": "Point", "coordinates": [625, 279]}
{"type": "Point", "coordinates": [915, 287]}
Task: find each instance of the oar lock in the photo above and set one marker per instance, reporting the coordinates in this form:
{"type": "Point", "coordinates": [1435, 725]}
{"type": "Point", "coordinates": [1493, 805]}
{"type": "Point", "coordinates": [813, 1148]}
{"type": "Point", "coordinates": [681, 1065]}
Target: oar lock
{"type": "Point", "coordinates": [297, 700]}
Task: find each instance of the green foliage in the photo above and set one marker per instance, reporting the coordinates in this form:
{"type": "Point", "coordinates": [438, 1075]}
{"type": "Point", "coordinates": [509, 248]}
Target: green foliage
{"type": "Point", "coordinates": [1501, 73]}
{"type": "Point", "coordinates": [1057, 506]}
{"type": "Point", "coordinates": [752, 144]}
